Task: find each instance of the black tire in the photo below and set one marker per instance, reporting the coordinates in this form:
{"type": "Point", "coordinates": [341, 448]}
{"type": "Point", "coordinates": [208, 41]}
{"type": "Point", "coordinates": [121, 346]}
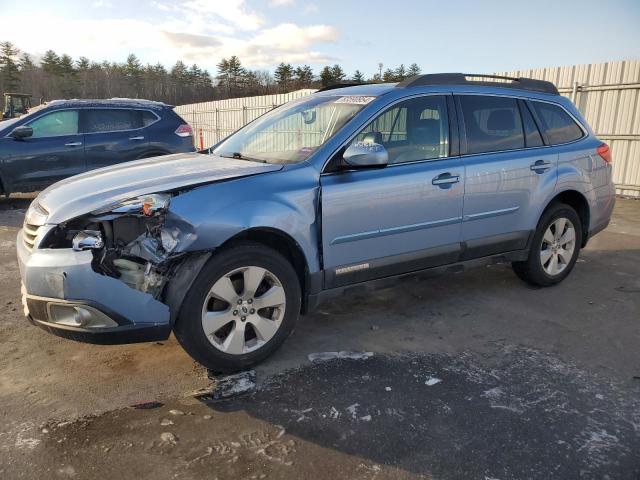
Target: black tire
{"type": "Point", "coordinates": [189, 330]}
{"type": "Point", "coordinates": [531, 270]}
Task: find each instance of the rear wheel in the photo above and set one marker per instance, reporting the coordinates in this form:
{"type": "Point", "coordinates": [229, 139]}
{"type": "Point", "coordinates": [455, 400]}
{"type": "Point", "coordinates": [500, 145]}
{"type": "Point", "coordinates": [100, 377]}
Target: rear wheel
{"type": "Point", "coordinates": [240, 309]}
{"type": "Point", "coordinates": [554, 249]}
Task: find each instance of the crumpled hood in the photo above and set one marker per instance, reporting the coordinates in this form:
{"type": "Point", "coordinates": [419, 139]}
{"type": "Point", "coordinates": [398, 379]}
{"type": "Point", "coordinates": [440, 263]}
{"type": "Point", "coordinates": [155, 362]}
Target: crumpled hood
{"type": "Point", "coordinates": [95, 189]}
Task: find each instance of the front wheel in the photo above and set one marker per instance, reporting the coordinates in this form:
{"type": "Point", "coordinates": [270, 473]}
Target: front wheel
{"type": "Point", "coordinates": [554, 249]}
{"type": "Point", "coordinates": [243, 305]}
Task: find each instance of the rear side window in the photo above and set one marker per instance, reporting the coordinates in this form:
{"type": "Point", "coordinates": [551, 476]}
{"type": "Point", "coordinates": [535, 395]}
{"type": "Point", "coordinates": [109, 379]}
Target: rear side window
{"type": "Point", "coordinates": [109, 120]}
{"type": "Point", "coordinates": [63, 122]}
{"type": "Point", "coordinates": [492, 124]}
{"type": "Point", "coordinates": [557, 123]}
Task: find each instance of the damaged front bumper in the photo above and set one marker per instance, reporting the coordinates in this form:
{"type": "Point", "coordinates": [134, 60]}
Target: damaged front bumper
{"type": "Point", "coordinates": [58, 284]}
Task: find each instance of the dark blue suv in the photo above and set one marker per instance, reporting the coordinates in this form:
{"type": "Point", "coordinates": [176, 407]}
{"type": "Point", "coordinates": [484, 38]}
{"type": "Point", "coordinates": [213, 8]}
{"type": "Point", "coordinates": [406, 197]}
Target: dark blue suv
{"type": "Point", "coordinates": [68, 137]}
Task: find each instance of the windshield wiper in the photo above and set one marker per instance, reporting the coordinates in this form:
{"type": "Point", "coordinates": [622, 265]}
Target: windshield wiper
{"type": "Point", "coordinates": [240, 156]}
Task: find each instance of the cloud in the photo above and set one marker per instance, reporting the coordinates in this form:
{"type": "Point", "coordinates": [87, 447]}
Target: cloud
{"type": "Point", "coordinates": [283, 43]}
{"type": "Point", "coordinates": [233, 13]}
{"type": "Point", "coordinates": [179, 33]}
{"type": "Point", "coordinates": [102, 4]}
{"type": "Point", "coordinates": [281, 3]}
{"type": "Point", "coordinates": [289, 36]}
{"type": "Point", "coordinates": [311, 9]}
{"type": "Point", "coordinates": [189, 40]}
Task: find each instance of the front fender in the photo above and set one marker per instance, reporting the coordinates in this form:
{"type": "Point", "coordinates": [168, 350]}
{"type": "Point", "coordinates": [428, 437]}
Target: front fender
{"type": "Point", "coordinates": [286, 201]}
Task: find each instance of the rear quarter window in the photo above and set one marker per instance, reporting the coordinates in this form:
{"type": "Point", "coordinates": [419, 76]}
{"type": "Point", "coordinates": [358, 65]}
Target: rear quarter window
{"type": "Point", "coordinates": [557, 123]}
{"type": "Point", "coordinates": [146, 118]}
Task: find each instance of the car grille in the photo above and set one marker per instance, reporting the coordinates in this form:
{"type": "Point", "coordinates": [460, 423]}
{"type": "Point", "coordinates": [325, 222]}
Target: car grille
{"type": "Point", "coordinates": [34, 219]}
{"type": "Point", "coordinates": [29, 234]}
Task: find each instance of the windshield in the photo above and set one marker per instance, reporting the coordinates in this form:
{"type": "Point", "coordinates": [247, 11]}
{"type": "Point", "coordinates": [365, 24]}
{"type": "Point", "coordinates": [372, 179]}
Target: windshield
{"type": "Point", "coordinates": [290, 134]}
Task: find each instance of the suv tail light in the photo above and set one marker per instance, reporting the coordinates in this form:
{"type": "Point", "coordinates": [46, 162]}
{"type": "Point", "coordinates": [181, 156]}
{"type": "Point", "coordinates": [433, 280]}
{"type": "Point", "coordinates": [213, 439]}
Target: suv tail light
{"type": "Point", "coordinates": [605, 152]}
{"type": "Point", "coordinates": [184, 130]}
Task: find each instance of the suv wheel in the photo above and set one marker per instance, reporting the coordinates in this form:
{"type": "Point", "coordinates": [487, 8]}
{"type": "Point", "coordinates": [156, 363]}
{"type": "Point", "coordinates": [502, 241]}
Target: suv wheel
{"type": "Point", "coordinates": [554, 249]}
{"type": "Point", "coordinates": [241, 308]}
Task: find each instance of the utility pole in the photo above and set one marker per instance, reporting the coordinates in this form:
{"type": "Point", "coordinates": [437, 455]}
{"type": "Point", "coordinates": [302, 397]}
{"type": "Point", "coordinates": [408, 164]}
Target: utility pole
{"type": "Point", "coordinates": [380, 69]}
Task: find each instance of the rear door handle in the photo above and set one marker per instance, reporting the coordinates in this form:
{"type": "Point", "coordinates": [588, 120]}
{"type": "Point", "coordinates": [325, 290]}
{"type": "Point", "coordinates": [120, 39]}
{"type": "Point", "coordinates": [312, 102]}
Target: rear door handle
{"type": "Point", "coordinates": [73, 144]}
{"type": "Point", "coordinates": [445, 180]}
{"type": "Point", "coordinates": [540, 166]}
{"type": "Point", "coordinates": [136, 138]}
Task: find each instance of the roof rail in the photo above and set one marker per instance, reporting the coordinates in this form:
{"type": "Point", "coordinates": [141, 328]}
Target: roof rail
{"type": "Point", "coordinates": [342, 85]}
{"type": "Point", "coordinates": [479, 79]}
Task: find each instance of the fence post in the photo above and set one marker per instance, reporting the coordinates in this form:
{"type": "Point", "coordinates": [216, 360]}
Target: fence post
{"type": "Point", "coordinates": [217, 125]}
{"type": "Point", "coordinates": [244, 115]}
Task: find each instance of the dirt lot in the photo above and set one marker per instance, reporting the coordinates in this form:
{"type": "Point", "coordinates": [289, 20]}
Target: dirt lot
{"type": "Point", "coordinates": [473, 376]}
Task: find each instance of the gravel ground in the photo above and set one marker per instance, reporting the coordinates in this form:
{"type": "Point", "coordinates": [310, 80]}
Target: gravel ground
{"type": "Point", "coordinates": [473, 375]}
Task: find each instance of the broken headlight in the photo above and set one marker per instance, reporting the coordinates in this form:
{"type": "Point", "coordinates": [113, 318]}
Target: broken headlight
{"type": "Point", "coordinates": [147, 205]}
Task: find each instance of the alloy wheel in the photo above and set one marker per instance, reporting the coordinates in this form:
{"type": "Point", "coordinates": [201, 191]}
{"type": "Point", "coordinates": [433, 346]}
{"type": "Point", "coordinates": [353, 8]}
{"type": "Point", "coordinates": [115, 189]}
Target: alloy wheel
{"type": "Point", "coordinates": [243, 310]}
{"type": "Point", "coordinates": [558, 245]}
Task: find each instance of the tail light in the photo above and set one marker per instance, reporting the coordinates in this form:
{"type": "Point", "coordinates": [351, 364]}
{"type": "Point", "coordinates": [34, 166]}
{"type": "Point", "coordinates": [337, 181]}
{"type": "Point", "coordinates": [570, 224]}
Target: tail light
{"type": "Point", "coordinates": [184, 130]}
{"type": "Point", "coordinates": [605, 152]}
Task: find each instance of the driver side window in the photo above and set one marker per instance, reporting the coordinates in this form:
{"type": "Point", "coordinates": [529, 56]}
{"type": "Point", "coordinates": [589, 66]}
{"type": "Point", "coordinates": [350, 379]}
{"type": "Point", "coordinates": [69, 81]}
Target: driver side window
{"type": "Point", "coordinates": [410, 131]}
{"type": "Point", "coordinates": [63, 122]}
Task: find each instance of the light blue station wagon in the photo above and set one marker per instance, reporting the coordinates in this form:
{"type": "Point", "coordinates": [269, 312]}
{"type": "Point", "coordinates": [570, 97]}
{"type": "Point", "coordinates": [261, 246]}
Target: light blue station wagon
{"type": "Point", "coordinates": [347, 187]}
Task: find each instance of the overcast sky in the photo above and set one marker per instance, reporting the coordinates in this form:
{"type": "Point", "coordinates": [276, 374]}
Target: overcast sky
{"type": "Point", "coordinates": [439, 35]}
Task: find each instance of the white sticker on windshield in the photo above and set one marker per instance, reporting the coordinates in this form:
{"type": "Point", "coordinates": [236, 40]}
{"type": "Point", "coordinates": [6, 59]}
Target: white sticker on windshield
{"type": "Point", "coordinates": [355, 99]}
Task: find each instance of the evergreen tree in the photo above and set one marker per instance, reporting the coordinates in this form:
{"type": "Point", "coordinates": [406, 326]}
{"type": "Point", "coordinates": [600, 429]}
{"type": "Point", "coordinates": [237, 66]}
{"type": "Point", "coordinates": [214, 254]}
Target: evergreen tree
{"type": "Point", "coordinates": [358, 76]}
{"type": "Point", "coordinates": [388, 76]}
{"type": "Point", "coordinates": [325, 77]}
{"type": "Point", "coordinates": [133, 73]}
{"type": "Point", "coordinates": [50, 62]}
{"type": "Point", "coordinates": [9, 72]}
{"type": "Point", "coordinates": [400, 73]}
{"type": "Point", "coordinates": [376, 78]}
{"type": "Point", "coordinates": [337, 74]}
{"type": "Point", "coordinates": [25, 63]}
{"type": "Point", "coordinates": [231, 74]}
{"type": "Point", "coordinates": [303, 76]}
{"type": "Point", "coordinates": [414, 70]}
{"type": "Point", "coordinates": [83, 65]}
{"type": "Point", "coordinates": [284, 75]}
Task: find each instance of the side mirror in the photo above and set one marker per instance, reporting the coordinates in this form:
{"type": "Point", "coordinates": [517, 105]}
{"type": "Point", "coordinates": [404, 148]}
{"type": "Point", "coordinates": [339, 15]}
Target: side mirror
{"type": "Point", "coordinates": [366, 155]}
{"type": "Point", "coordinates": [21, 132]}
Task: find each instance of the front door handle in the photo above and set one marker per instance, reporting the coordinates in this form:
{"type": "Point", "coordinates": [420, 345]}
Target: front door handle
{"type": "Point", "coordinates": [73, 144]}
{"type": "Point", "coordinates": [136, 138]}
{"type": "Point", "coordinates": [540, 166]}
{"type": "Point", "coordinates": [445, 180]}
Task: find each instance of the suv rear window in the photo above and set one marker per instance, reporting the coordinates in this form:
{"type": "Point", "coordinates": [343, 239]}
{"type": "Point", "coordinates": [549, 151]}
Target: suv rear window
{"type": "Point", "coordinates": [110, 120]}
{"type": "Point", "coordinates": [492, 124]}
{"type": "Point", "coordinates": [557, 123]}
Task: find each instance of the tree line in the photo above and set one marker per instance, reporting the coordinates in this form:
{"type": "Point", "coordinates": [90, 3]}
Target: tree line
{"type": "Point", "coordinates": [61, 76]}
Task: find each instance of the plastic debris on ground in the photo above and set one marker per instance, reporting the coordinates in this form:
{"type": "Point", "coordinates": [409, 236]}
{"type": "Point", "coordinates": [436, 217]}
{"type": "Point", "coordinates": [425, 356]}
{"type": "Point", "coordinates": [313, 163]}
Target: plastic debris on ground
{"type": "Point", "coordinates": [147, 405]}
{"type": "Point", "coordinates": [229, 386]}
{"type": "Point", "coordinates": [431, 381]}
{"type": "Point", "coordinates": [324, 356]}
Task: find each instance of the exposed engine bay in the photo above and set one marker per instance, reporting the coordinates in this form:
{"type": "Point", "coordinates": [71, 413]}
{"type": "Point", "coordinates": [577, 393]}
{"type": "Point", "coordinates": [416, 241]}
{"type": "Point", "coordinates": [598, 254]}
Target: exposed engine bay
{"type": "Point", "coordinates": [134, 241]}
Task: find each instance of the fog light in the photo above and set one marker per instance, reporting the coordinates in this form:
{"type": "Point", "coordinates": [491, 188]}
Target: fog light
{"type": "Point", "coordinates": [79, 316]}
{"type": "Point", "coordinates": [86, 240]}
